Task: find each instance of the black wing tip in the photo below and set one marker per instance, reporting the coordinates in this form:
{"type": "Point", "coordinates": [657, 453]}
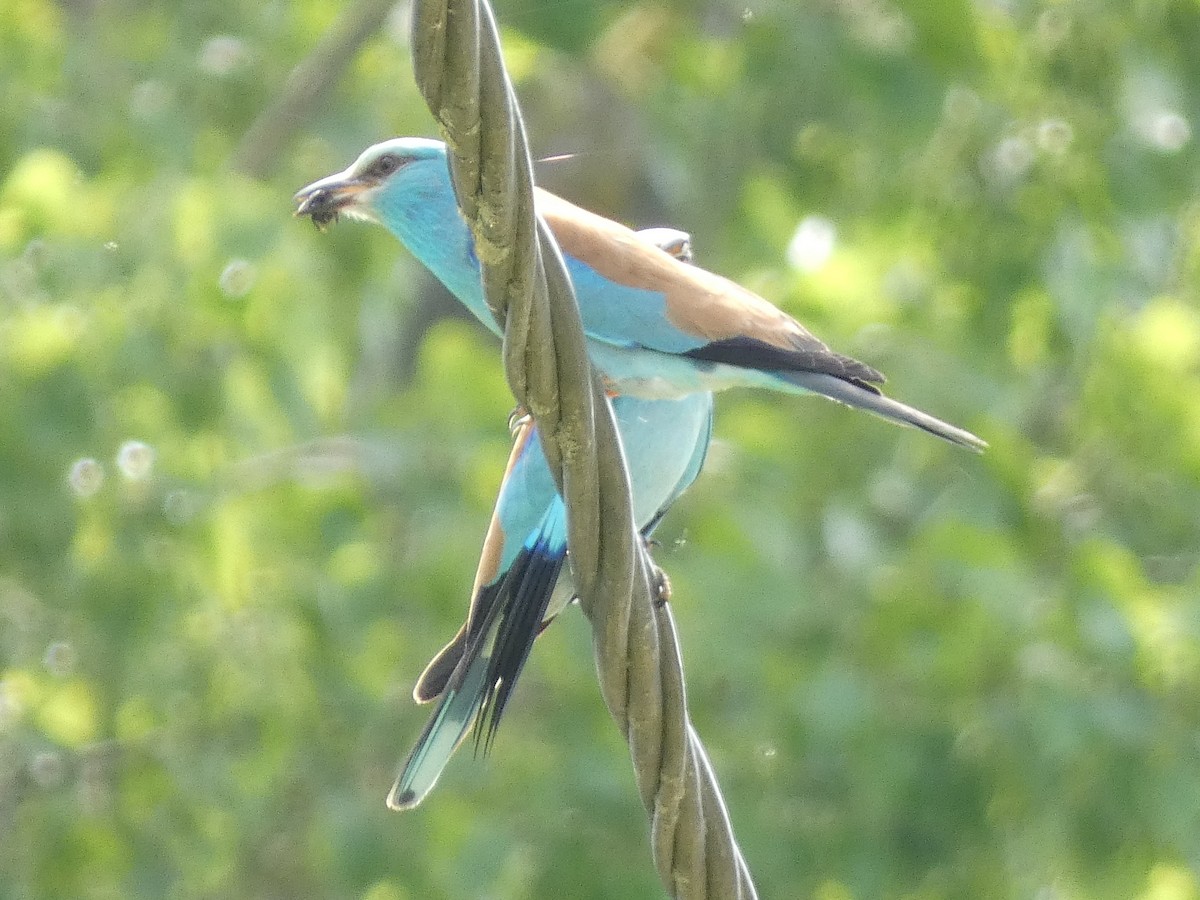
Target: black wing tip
{"type": "Point", "coordinates": [872, 387]}
{"type": "Point", "coordinates": [528, 585]}
{"type": "Point", "coordinates": [861, 372]}
{"type": "Point", "coordinates": [751, 353]}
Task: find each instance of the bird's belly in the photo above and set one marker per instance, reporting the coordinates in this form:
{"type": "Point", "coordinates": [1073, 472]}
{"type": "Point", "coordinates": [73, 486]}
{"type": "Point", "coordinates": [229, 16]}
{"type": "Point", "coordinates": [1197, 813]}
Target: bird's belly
{"type": "Point", "coordinates": [651, 375]}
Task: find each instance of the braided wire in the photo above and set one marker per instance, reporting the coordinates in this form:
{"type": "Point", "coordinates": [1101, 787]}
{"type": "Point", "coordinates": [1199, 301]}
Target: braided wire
{"type": "Point", "coordinates": [460, 71]}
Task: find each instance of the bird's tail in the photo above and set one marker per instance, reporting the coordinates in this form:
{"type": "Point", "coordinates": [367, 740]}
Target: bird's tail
{"type": "Point", "coordinates": [868, 399]}
{"type": "Point", "coordinates": [492, 659]}
{"type": "Point", "coordinates": [443, 733]}
{"type": "Point", "coordinates": [436, 676]}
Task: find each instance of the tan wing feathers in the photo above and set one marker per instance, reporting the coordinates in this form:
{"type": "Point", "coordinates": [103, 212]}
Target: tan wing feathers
{"type": "Point", "coordinates": [699, 302]}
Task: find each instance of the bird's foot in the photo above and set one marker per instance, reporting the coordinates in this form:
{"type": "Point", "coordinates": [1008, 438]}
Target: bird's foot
{"type": "Point", "coordinates": [517, 419]}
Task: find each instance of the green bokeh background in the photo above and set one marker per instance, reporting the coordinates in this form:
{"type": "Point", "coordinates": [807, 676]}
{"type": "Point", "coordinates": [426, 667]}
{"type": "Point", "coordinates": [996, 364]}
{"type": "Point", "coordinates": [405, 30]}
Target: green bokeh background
{"type": "Point", "coordinates": [919, 673]}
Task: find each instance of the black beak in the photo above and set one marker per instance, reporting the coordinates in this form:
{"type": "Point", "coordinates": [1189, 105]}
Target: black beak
{"type": "Point", "coordinates": [323, 200]}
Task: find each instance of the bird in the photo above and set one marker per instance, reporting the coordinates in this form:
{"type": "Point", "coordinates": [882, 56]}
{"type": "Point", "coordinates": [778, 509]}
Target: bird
{"type": "Point", "coordinates": [629, 417]}
{"type": "Point", "coordinates": [518, 589]}
{"type": "Point", "coordinates": [657, 327]}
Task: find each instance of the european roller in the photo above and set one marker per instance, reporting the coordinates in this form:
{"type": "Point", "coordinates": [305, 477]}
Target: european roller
{"type": "Point", "coordinates": [519, 509]}
{"type": "Point", "coordinates": [656, 327]}
{"type": "Point", "coordinates": [515, 596]}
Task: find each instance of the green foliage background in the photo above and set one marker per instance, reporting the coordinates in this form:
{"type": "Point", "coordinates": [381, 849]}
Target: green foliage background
{"type": "Point", "coordinates": [920, 674]}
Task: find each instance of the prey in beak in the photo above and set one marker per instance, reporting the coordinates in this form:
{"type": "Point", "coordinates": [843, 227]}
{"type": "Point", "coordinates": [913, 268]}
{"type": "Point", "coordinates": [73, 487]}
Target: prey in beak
{"type": "Point", "coordinates": [350, 191]}
{"type": "Point", "coordinates": [323, 201]}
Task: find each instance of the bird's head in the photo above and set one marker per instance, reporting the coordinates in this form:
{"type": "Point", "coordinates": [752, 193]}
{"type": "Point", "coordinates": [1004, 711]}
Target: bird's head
{"type": "Point", "coordinates": [381, 171]}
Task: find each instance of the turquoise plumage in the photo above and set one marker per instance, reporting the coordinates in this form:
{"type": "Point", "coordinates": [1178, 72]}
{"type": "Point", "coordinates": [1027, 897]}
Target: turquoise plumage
{"type": "Point", "coordinates": [656, 327]}
{"type": "Point", "coordinates": [515, 594]}
{"type": "Point", "coordinates": [517, 590]}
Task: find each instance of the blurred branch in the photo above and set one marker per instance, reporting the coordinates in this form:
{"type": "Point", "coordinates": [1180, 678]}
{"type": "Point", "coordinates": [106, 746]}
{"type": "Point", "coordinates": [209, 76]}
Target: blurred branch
{"type": "Point", "coordinates": [306, 86]}
{"type": "Point", "coordinates": [434, 303]}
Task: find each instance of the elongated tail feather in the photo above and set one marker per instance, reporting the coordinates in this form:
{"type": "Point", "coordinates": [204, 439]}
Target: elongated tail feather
{"type": "Point", "coordinates": [495, 652]}
{"type": "Point", "coordinates": [440, 738]}
{"type": "Point", "coordinates": [893, 410]}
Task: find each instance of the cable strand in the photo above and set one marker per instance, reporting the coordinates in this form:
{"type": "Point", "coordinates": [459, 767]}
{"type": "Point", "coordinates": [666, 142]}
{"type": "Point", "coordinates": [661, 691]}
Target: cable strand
{"type": "Point", "coordinates": [460, 71]}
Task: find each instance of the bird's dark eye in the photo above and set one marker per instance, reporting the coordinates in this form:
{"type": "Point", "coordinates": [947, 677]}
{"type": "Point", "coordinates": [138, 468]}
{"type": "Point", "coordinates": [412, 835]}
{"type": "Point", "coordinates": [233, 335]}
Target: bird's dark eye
{"type": "Point", "coordinates": [386, 165]}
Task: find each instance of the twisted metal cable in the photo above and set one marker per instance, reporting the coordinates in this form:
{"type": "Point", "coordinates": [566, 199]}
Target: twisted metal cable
{"type": "Point", "coordinates": [460, 71]}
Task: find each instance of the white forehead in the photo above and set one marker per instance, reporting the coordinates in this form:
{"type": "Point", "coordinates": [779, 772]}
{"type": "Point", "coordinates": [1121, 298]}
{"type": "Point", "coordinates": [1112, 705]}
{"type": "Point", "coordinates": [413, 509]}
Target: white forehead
{"type": "Point", "coordinates": [404, 147]}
